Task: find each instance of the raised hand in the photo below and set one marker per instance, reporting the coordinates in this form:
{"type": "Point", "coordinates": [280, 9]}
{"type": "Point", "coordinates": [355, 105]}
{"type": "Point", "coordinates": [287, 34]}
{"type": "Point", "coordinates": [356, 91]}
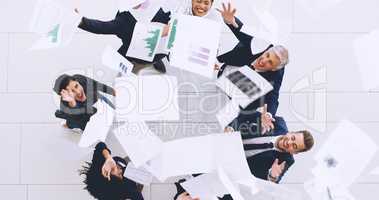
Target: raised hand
{"type": "Point", "coordinates": [108, 167]}
{"type": "Point", "coordinates": [276, 169]}
{"type": "Point", "coordinates": [266, 120]}
{"type": "Point", "coordinates": [228, 14]}
{"type": "Point", "coordinates": [67, 96]}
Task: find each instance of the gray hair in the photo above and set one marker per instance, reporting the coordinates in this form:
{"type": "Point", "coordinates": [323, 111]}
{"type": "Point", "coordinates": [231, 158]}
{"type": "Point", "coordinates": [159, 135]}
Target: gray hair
{"type": "Point", "coordinates": [282, 53]}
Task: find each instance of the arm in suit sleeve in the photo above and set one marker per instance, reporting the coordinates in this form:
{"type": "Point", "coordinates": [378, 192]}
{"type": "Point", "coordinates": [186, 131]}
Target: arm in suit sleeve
{"type": "Point", "coordinates": [100, 27]}
{"type": "Point", "coordinates": [289, 163]}
{"type": "Point", "coordinates": [162, 17]}
{"type": "Point", "coordinates": [244, 38]}
{"type": "Point", "coordinates": [179, 188]}
{"type": "Point", "coordinates": [249, 124]}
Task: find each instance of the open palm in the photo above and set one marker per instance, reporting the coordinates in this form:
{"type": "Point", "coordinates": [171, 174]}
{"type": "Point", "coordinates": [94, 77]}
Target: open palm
{"type": "Point", "coordinates": [228, 14]}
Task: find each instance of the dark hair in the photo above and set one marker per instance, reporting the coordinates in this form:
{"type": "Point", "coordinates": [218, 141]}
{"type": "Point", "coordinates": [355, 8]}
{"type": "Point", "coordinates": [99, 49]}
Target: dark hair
{"type": "Point", "coordinates": [62, 82]}
{"type": "Point", "coordinates": [99, 187]}
{"type": "Point", "coordinates": [308, 140]}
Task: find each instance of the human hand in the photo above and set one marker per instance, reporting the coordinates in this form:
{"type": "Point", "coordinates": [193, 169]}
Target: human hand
{"type": "Point", "coordinates": [67, 96]}
{"type": "Point", "coordinates": [216, 67]}
{"type": "Point", "coordinates": [266, 120]}
{"type": "Point", "coordinates": [228, 14]}
{"type": "Point", "coordinates": [276, 169]}
{"type": "Point", "coordinates": [228, 129]}
{"type": "Point", "coordinates": [108, 167]}
{"type": "Point", "coordinates": [166, 30]}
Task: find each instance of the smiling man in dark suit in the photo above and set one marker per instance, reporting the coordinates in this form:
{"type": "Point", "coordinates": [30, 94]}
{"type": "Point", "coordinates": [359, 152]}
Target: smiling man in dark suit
{"type": "Point", "coordinates": [269, 146]}
{"type": "Point", "coordinates": [265, 58]}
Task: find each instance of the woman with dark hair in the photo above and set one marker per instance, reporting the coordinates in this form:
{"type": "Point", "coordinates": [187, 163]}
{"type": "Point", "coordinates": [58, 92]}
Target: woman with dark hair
{"type": "Point", "coordinates": [104, 178]}
{"type": "Point", "coordinates": [78, 95]}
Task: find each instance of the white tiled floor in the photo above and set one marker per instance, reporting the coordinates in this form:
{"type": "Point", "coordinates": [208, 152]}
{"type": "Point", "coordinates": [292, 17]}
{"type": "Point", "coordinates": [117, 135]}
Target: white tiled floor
{"type": "Point", "coordinates": [321, 87]}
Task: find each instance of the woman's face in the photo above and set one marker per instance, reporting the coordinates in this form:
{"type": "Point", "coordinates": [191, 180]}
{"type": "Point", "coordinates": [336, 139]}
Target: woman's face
{"type": "Point", "coordinates": [77, 90]}
{"type": "Point", "coordinates": [201, 7]}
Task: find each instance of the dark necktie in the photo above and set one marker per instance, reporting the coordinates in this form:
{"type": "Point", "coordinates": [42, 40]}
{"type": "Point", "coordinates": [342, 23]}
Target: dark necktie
{"type": "Point", "coordinates": [247, 147]}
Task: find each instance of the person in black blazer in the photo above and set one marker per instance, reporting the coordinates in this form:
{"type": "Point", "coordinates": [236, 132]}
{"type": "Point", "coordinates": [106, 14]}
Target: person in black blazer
{"type": "Point", "coordinates": [268, 144]}
{"type": "Point", "coordinates": [78, 95]}
{"type": "Point", "coordinates": [104, 178]}
{"type": "Point", "coordinates": [123, 26]}
{"type": "Point", "coordinates": [268, 60]}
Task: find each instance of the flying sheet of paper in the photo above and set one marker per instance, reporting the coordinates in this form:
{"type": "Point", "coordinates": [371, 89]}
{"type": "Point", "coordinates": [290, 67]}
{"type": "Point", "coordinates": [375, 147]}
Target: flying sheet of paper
{"type": "Point", "coordinates": [205, 186]}
{"type": "Point", "coordinates": [228, 113]}
{"type": "Point", "coordinates": [317, 190]}
{"type": "Point", "coordinates": [229, 184]}
{"type": "Point", "coordinates": [147, 98]}
{"type": "Point", "coordinates": [139, 143]}
{"type": "Point", "coordinates": [244, 85]}
{"type": "Point", "coordinates": [126, 5]}
{"type": "Point", "coordinates": [183, 156]}
{"type": "Point", "coordinates": [98, 127]}
{"type": "Point", "coordinates": [145, 41]}
{"type": "Point", "coordinates": [201, 155]}
{"type": "Point", "coordinates": [270, 190]}
{"type": "Point", "coordinates": [195, 44]}
{"type": "Point", "coordinates": [366, 53]}
{"type": "Point", "coordinates": [112, 59]}
{"type": "Point", "coordinates": [342, 159]}
{"type": "Point", "coordinates": [55, 23]}
{"type": "Point", "coordinates": [139, 175]}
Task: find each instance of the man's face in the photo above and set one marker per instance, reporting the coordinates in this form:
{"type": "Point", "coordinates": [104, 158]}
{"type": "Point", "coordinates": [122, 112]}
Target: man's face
{"type": "Point", "coordinates": [268, 61]}
{"type": "Point", "coordinates": [291, 143]}
{"type": "Point", "coordinates": [201, 7]}
{"type": "Point", "coordinates": [77, 90]}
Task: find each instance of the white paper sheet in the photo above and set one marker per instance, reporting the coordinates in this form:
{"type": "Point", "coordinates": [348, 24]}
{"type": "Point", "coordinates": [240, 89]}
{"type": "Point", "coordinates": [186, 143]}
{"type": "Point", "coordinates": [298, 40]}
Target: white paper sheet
{"type": "Point", "coordinates": [112, 59]}
{"type": "Point", "coordinates": [205, 186]}
{"type": "Point", "coordinates": [139, 175]}
{"type": "Point", "coordinates": [126, 5]}
{"type": "Point", "coordinates": [201, 155]}
{"type": "Point", "coordinates": [145, 41]}
{"type": "Point", "coordinates": [248, 85]}
{"type": "Point", "coordinates": [342, 158]}
{"type": "Point", "coordinates": [139, 143]}
{"type": "Point", "coordinates": [147, 98]}
{"type": "Point", "coordinates": [317, 190]}
{"type": "Point", "coordinates": [98, 127]}
{"type": "Point", "coordinates": [228, 113]}
{"type": "Point", "coordinates": [55, 23]}
{"type": "Point", "coordinates": [366, 53]}
{"type": "Point", "coordinates": [230, 185]}
{"type": "Point", "coordinates": [195, 46]}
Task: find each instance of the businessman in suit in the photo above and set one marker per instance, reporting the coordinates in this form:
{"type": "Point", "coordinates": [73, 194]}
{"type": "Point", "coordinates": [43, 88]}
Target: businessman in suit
{"type": "Point", "coordinates": [123, 26]}
{"type": "Point", "coordinates": [269, 146]}
{"type": "Point", "coordinates": [265, 58]}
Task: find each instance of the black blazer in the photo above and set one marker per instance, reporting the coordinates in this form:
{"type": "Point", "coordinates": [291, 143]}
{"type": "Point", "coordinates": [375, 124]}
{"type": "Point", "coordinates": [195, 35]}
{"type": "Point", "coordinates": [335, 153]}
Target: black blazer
{"type": "Point", "coordinates": [122, 26]}
{"type": "Point", "coordinates": [260, 164]}
{"type": "Point", "coordinates": [241, 55]}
